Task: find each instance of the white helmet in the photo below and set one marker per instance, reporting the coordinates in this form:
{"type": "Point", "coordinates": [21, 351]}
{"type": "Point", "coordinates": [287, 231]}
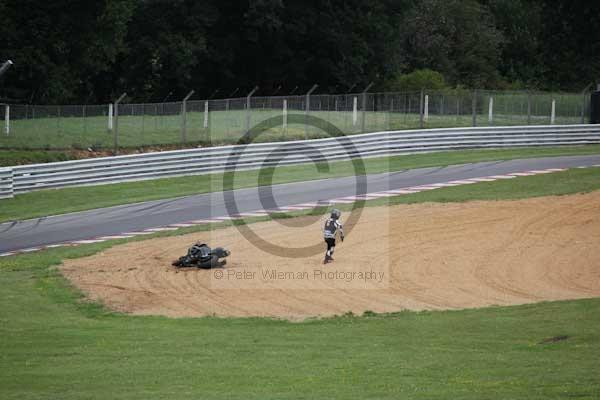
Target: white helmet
{"type": "Point", "coordinates": [336, 214]}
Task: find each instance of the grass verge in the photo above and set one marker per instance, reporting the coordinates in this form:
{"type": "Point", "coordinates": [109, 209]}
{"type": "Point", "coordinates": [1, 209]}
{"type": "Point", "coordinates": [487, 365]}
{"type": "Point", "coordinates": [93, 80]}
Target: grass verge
{"type": "Point", "coordinates": [20, 157]}
{"type": "Point", "coordinates": [58, 201]}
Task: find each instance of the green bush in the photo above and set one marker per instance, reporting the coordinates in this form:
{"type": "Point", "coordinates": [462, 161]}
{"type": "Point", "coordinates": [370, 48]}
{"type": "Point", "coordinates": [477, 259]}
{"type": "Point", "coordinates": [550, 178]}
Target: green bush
{"type": "Point", "coordinates": [417, 80]}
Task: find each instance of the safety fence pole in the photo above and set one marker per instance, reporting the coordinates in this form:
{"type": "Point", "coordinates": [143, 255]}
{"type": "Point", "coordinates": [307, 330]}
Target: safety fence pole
{"type": "Point", "coordinates": [421, 116]}
{"type": "Point", "coordinates": [364, 107]}
{"type": "Point", "coordinates": [248, 110]}
{"type": "Point", "coordinates": [285, 113]}
{"type": "Point", "coordinates": [84, 119]}
{"type": "Point", "coordinates": [7, 119]}
{"type": "Point", "coordinates": [528, 108]}
{"type": "Point", "coordinates": [583, 98]}
{"type": "Point", "coordinates": [184, 117]}
{"type": "Point", "coordinates": [110, 117]}
{"type": "Point", "coordinates": [354, 110]}
{"type": "Point", "coordinates": [116, 130]}
{"type": "Point", "coordinates": [205, 124]}
{"type": "Point", "coordinates": [307, 109]}
{"type": "Point", "coordinates": [474, 108]}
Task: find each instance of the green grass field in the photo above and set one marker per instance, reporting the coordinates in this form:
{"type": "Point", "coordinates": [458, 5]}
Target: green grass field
{"type": "Point", "coordinates": [55, 345]}
{"type": "Point", "coordinates": [161, 124]}
{"type": "Point", "coordinates": [57, 201]}
{"type": "Point", "coordinates": [10, 158]}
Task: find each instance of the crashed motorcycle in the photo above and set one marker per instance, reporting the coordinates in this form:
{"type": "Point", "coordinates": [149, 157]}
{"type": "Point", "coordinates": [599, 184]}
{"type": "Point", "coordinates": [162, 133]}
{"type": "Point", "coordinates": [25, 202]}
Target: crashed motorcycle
{"type": "Point", "coordinates": [201, 255]}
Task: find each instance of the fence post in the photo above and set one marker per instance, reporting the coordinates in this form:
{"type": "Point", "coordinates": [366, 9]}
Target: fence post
{"type": "Point", "coordinates": [421, 116]}
{"type": "Point", "coordinates": [307, 109]}
{"type": "Point", "coordinates": [583, 108]}
{"type": "Point", "coordinates": [553, 112]}
{"type": "Point", "coordinates": [84, 120]}
{"type": "Point", "coordinates": [116, 130]}
{"type": "Point", "coordinates": [248, 109]}
{"type": "Point", "coordinates": [474, 107]}
{"type": "Point", "coordinates": [457, 109]}
{"type": "Point", "coordinates": [426, 110]}
{"type": "Point", "coordinates": [205, 124]}
{"type": "Point", "coordinates": [491, 111]}
{"type": "Point", "coordinates": [364, 107]}
{"type": "Point", "coordinates": [354, 110]}
{"type": "Point", "coordinates": [284, 116]}
{"type": "Point", "coordinates": [184, 117]}
{"type": "Point", "coordinates": [143, 118]}
{"type": "Point", "coordinates": [7, 119]}
{"type": "Point", "coordinates": [110, 117]}
{"type": "Point", "coordinates": [528, 108]}
{"type": "Point", "coordinates": [389, 114]}
{"type": "Point", "coordinates": [583, 92]}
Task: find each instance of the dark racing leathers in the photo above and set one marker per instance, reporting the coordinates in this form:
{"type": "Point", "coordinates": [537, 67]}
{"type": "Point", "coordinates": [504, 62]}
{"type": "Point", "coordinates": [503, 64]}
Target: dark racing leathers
{"type": "Point", "coordinates": [332, 227]}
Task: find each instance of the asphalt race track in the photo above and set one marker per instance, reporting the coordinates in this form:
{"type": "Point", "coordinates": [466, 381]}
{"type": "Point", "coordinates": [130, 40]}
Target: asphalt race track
{"type": "Point", "coordinates": [43, 231]}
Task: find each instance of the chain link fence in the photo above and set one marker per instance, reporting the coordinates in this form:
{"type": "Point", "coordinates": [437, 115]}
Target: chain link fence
{"type": "Point", "coordinates": [226, 121]}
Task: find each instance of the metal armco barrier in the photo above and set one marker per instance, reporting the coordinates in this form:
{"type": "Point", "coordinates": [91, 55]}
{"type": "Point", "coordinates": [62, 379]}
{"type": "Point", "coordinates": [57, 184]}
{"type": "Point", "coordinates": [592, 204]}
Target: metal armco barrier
{"type": "Point", "coordinates": [127, 168]}
{"type": "Point", "coordinates": [6, 183]}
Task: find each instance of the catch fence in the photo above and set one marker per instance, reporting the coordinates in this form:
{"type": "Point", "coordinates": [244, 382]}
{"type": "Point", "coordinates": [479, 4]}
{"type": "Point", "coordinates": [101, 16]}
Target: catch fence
{"type": "Point", "coordinates": [225, 121]}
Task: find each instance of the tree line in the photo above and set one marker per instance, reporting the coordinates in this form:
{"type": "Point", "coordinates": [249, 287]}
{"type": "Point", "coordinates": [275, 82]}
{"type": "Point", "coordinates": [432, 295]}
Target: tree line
{"type": "Point", "coordinates": [76, 51]}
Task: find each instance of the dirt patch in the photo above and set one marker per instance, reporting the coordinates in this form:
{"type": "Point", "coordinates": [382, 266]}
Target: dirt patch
{"type": "Point", "coordinates": [432, 256]}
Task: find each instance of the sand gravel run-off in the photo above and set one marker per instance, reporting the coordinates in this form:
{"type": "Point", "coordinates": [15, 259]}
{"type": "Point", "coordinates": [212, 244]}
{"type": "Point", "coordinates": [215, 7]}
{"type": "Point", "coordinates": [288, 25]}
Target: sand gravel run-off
{"type": "Point", "coordinates": [424, 256]}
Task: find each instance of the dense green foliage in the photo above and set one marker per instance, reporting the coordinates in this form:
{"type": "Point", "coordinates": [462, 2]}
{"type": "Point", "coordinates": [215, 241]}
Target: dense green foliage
{"type": "Point", "coordinates": [74, 51]}
{"type": "Point", "coordinates": [417, 80]}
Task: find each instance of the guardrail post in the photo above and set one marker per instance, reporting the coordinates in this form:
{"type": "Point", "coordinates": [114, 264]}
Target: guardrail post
{"type": "Point", "coordinates": [116, 130]}
{"type": "Point", "coordinates": [7, 119]}
{"type": "Point", "coordinates": [364, 107]}
{"type": "Point", "coordinates": [474, 108]}
{"type": "Point", "coordinates": [184, 117]}
{"type": "Point", "coordinates": [553, 112]}
{"type": "Point", "coordinates": [307, 109]}
{"type": "Point", "coordinates": [491, 111]}
{"type": "Point", "coordinates": [248, 111]}
{"type": "Point", "coordinates": [426, 109]}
